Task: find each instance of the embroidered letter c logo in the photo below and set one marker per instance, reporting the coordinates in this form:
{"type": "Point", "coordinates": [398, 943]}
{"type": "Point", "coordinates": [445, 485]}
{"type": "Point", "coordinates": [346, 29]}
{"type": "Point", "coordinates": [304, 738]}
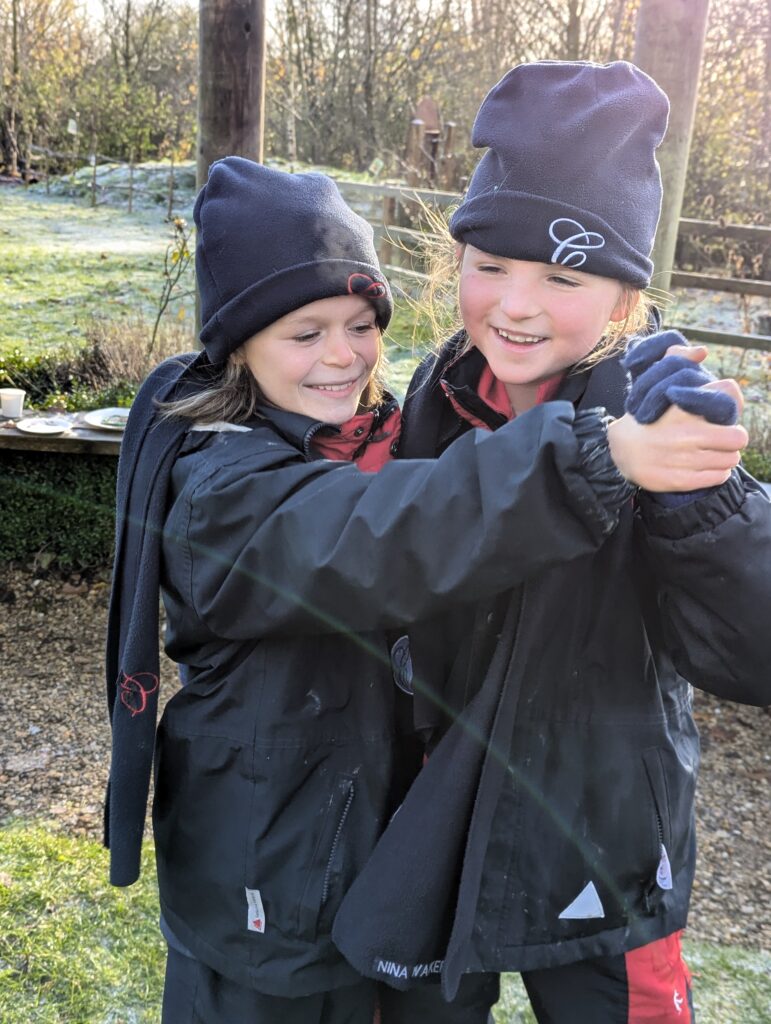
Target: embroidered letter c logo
{"type": "Point", "coordinates": [579, 240]}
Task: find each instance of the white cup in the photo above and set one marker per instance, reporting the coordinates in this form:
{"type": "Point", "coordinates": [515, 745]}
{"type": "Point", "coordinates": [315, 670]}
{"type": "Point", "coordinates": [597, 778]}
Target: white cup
{"type": "Point", "coordinates": [12, 402]}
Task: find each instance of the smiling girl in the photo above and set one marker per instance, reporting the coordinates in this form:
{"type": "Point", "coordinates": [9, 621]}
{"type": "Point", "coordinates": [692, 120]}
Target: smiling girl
{"type": "Point", "coordinates": [551, 831]}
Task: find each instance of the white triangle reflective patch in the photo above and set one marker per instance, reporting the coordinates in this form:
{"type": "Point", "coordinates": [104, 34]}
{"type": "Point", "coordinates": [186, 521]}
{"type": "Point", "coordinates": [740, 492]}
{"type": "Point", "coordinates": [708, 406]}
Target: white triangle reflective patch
{"type": "Point", "coordinates": [587, 904]}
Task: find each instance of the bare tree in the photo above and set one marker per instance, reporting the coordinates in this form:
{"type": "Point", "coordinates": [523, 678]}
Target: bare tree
{"type": "Point", "coordinates": [41, 52]}
{"type": "Point", "coordinates": [345, 74]}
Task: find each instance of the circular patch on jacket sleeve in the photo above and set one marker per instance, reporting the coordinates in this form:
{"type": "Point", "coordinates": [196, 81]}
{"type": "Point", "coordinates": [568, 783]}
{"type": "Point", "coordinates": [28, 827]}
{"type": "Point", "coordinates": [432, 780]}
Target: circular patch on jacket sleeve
{"type": "Point", "coordinates": [401, 665]}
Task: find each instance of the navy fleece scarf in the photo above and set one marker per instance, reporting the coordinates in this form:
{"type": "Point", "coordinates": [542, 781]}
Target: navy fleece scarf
{"type": "Point", "coordinates": [148, 451]}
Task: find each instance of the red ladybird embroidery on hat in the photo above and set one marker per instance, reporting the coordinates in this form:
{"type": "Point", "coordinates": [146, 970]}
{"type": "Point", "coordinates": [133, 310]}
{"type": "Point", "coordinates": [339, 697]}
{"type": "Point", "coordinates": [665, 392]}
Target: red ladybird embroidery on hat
{"type": "Point", "coordinates": [363, 284]}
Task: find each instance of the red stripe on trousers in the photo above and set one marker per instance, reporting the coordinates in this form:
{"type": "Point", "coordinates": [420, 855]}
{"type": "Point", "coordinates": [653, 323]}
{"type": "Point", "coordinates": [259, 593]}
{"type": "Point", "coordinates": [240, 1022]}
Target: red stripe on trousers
{"type": "Point", "coordinates": [659, 983]}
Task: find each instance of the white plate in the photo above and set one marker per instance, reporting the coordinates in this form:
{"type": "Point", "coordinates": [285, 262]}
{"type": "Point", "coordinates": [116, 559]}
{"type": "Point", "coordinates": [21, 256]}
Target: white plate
{"type": "Point", "coordinates": [48, 425]}
{"type": "Point", "coordinates": [107, 419]}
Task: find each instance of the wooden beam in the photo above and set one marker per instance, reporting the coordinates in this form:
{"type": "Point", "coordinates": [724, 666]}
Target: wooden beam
{"type": "Point", "coordinates": [429, 196]}
{"type": "Point", "coordinates": [712, 283]}
{"type": "Point", "coordinates": [669, 42]}
{"type": "Point", "coordinates": [231, 81]}
{"type": "Point", "coordinates": [714, 229]}
{"type": "Point", "coordinates": [762, 342]}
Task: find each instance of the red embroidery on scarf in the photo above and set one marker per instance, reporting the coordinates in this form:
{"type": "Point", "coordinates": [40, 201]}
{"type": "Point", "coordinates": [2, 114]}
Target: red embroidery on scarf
{"type": "Point", "coordinates": [135, 690]}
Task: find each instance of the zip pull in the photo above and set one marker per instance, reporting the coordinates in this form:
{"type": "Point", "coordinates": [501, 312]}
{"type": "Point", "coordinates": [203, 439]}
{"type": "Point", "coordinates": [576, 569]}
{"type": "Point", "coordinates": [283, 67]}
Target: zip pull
{"type": "Point", "coordinates": [664, 870]}
{"type": "Point", "coordinates": [662, 883]}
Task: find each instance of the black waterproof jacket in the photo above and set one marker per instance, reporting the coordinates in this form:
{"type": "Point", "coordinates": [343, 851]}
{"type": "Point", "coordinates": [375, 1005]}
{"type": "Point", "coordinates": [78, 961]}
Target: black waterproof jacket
{"type": "Point", "coordinates": [281, 761]}
{"type": "Point", "coordinates": [554, 819]}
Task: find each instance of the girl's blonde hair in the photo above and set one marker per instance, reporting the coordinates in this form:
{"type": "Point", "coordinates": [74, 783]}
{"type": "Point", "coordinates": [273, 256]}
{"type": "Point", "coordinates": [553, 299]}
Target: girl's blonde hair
{"type": "Point", "coordinates": [439, 306]}
{"type": "Point", "coordinates": [229, 391]}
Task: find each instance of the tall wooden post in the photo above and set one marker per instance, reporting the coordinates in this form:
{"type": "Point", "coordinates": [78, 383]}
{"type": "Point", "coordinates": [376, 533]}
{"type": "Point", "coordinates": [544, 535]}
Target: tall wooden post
{"type": "Point", "coordinates": [13, 143]}
{"type": "Point", "coordinates": [231, 86]}
{"type": "Point", "coordinates": [231, 81]}
{"type": "Point", "coordinates": [669, 44]}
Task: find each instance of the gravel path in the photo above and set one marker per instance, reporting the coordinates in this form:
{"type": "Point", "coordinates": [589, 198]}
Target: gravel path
{"type": "Point", "coordinates": [55, 742]}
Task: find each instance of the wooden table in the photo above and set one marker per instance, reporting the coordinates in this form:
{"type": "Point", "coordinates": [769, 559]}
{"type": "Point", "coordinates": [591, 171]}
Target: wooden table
{"type": "Point", "coordinates": [80, 438]}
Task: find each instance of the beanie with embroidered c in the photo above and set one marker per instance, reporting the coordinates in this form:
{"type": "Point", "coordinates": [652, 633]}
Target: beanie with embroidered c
{"type": "Point", "coordinates": [570, 176]}
{"type": "Point", "coordinates": [268, 243]}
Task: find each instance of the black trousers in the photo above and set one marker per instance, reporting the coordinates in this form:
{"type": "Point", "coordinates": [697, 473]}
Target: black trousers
{"type": "Point", "coordinates": [648, 985]}
{"type": "Point", "coordinates": [195, 994]}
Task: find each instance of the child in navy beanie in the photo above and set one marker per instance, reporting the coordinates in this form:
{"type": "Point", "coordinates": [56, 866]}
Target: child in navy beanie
{"type": "Point", "coordinates": [571, 178]}
{"type": "Point", "coordinates": [269, 242]}
{"type": "Point", "coordinates": [570, 173]}
{"type": "Point", "coordinates": [551, 830]}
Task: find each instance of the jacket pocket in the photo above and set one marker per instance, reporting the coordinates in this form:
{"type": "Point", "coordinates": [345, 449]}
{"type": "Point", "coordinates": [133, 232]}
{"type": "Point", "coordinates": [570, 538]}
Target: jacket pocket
{"type": "Point", "coordinates": [660, 879]}
{"type": "Point", "coordinates": [657, 781]}
{"type": "Point", "coordinates": [329, 863]}
{"type": "Point", "coordinates": [585, 845]}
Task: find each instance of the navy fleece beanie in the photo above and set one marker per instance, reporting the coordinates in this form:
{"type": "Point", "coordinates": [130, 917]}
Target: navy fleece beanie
{"type": "Point", "coordinates": [570, 176]}
{"type": "Point", "coordinates": [269, 242]}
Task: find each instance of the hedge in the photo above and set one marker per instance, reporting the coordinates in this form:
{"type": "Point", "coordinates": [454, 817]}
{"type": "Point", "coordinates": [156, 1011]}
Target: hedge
{"type": "Point", "coordinates": [57, 507]}
{"type": "Point", "coordinates": [758, 463]}
{"type": "Point", "coordinates": [74, 379]}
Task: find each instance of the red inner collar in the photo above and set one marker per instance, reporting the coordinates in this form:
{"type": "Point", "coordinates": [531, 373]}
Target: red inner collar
{"type": "Point", "coordinates": [357, 442]}
{"type": "Point", "coordinates": [493, 391]}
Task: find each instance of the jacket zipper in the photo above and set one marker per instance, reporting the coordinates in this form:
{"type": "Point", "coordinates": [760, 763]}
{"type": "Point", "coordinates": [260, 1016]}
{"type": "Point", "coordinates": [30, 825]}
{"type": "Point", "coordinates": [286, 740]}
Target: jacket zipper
{"type": "Point", "coordinates": [335, 843]}
{"type": "Point", "coordinates": [381, 414]}
{"type": "Point", "coordinates": [660, 827]}
{"type": "Point", "coordinates": [309, 435]}
{"type": "Point", "coordinates": [654, 889]}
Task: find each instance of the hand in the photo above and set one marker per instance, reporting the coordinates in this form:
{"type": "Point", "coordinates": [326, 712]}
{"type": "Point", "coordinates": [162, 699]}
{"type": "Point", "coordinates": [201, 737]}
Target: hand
{"type": "Point", "coordinates": [679, 452]}
{"type": "Point", "coordinates": [664, 373]}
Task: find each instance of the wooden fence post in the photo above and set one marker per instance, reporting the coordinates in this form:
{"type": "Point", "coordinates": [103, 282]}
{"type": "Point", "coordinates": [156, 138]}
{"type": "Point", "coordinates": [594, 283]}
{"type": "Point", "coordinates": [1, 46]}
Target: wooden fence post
{"type": "Point", "coordinates": [413, 154]}
{"type": "Point", "coordinates": [389, 219]}
{"type": "Point", "coordinates": [131, 182]}
{"type": "Point", "coordinates": [447, 160]}
{"type": "Point", "coordinates": [669, 42]}
{"type": "Point", "coordinates": [431, 155]}
{"type": "Point", "coordinates": [93, 171]}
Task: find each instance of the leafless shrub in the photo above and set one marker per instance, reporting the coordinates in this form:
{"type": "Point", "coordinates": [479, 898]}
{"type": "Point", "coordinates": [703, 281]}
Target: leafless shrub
{"type": "Point", "coordinates": [121, 346]}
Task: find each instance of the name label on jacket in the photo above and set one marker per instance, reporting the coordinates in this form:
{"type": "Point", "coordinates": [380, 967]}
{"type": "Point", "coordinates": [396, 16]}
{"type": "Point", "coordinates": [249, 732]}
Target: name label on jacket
{"type": "Point", "coordinates": [404, 971]}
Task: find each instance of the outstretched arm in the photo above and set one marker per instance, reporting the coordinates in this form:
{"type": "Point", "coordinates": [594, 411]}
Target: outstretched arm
{"type": "Point", "coordinates": [321, 546]}
{"type": "Point", "coordinates": [704, 527]}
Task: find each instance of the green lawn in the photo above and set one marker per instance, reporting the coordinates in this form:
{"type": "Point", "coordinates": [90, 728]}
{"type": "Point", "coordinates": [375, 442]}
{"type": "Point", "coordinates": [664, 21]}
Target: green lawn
{"type": "Point", "coordinates": [62, 262]}
{"type": "Point", "coordinates": [73, 950]}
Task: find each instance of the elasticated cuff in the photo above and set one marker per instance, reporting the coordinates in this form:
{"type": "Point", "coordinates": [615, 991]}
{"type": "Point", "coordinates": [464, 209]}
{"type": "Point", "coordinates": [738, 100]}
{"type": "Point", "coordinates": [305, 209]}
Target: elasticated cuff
{"type": "Point", "coordinates": [702, 514]}
{"type": "Point", "coordinates": [611, 489]}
